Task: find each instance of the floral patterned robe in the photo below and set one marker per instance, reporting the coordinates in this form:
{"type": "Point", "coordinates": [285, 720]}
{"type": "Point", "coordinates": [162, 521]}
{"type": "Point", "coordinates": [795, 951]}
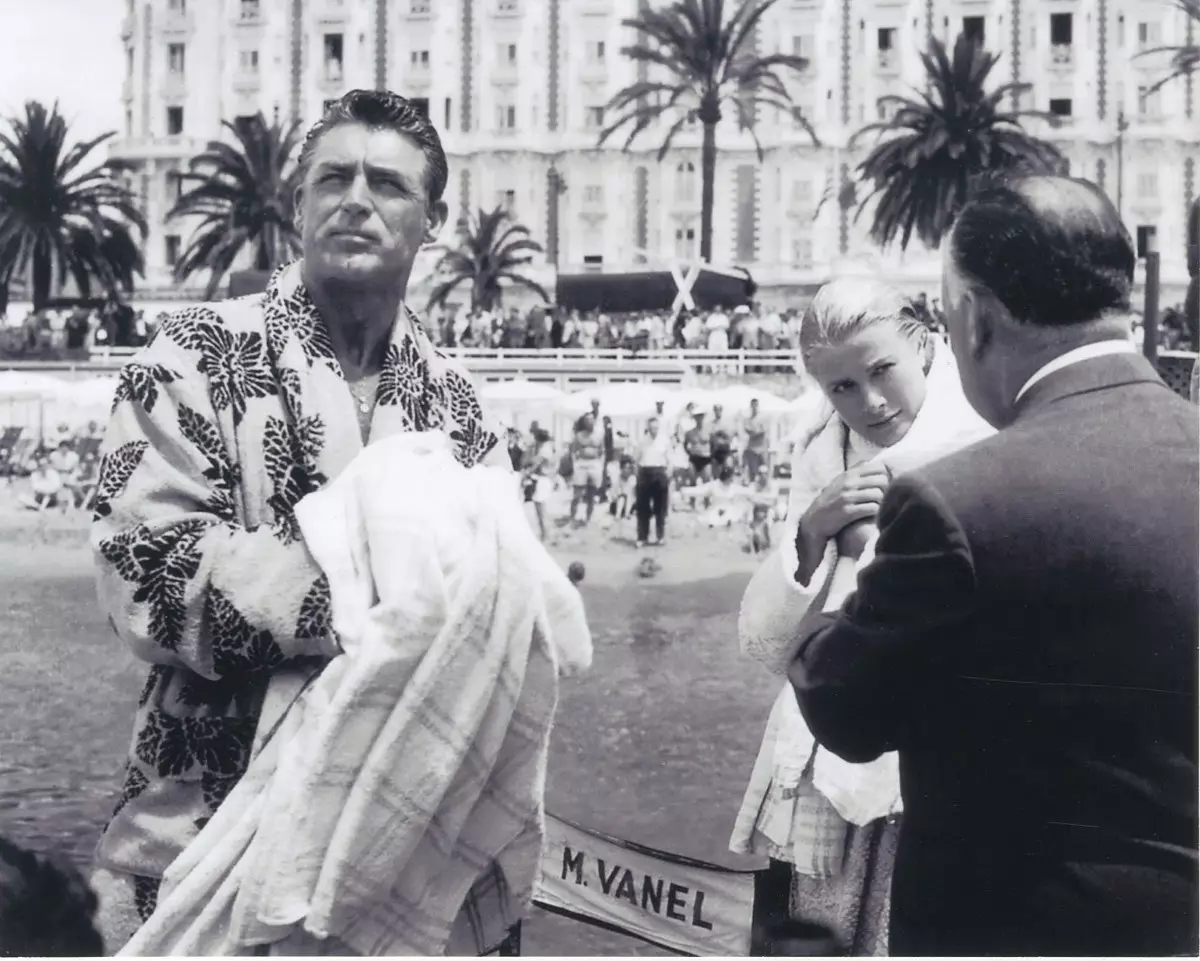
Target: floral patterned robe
{"type": "Point", "coordinates": [231, 414]}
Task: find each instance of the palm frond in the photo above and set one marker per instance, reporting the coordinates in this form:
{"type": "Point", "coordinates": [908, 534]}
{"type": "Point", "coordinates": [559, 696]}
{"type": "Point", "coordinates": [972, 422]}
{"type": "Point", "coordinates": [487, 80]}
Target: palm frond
{"type": "Point", "coordinates": [64, 212]}
{"type": "Point", "coordinates": [491, 247]}
{"type": "Point", "coordinates": [929, 158]}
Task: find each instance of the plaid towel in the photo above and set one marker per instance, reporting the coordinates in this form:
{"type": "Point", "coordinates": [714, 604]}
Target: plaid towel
{"type": "Point", "coordinates": [399, 807]}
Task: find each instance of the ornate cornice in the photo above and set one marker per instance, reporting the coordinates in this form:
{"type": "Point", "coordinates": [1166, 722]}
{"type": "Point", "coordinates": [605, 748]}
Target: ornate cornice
{"type": "Point", "coordinates": [381, 44]}
{"type": "Point", "coordinates": [1016, 51]}
{"type": "Point", "coordinates": [1189, 79]}
{"type": "Point", "coordinates": [1102, 60]}
{"type": "Point", "coordinates": [846, 30]}
{"type": "Point", "coordinates": [464, 189]}
{"type": "Point", "coordinates": [297, 58]}
{"type": "Point", "coordinates": [843, 211]}
{"type": "Point", "coordinates": [146, 48]}
{"type": "Point", "coordinates": [467, 50]}
{"type": "Point", "coordinates": [554, 65]}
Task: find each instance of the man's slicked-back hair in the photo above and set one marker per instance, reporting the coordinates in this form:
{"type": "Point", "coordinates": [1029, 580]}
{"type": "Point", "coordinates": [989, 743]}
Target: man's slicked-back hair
{"type": "Point", "coordinates": [384, 110]}
{"type": "Point", "coordinates": [1052, 250]}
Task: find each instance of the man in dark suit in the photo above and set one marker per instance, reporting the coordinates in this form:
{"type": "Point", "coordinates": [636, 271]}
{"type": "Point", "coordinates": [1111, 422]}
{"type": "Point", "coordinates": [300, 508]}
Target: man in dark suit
{"type": "Point", "coordinates": [1026, 636]}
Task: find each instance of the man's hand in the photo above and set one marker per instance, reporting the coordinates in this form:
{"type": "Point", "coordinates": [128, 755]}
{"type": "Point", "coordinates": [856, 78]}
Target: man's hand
{"type": "Point", "coordinates": [854, 495]}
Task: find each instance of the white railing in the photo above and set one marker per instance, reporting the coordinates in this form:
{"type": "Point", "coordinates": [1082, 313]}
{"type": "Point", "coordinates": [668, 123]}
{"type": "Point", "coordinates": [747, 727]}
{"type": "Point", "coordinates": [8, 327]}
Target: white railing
{"type": "Point", "coordinates": [729, 361]}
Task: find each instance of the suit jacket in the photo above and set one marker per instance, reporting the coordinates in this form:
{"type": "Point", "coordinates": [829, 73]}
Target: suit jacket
{"type": "Point", "coordinates": [1026, 638]}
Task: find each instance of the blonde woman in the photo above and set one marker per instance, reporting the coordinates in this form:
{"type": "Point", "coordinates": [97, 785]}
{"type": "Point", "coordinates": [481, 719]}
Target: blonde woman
{"type": "Point", "coordinates": [892, 401]}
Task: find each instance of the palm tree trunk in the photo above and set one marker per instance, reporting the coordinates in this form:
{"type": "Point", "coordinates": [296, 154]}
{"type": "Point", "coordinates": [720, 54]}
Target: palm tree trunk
{"type": "Point", "coordinates": [708, 170]}
{"type": "Point", "coordinates": [43, 274]}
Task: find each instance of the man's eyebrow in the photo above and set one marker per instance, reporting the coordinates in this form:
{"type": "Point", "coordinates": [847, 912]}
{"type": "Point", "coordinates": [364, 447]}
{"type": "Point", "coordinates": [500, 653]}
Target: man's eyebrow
{"type": "Point", "coordinates": [344, 166]}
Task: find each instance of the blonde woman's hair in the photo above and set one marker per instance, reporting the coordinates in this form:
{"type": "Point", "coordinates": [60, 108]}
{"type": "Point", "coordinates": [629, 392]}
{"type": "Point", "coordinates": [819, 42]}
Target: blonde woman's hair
{"type": "Point", "coordinates": [846, 307]}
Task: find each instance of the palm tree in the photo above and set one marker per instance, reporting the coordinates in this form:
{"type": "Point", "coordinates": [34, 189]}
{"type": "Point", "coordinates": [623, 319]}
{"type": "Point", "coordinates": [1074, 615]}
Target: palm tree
{"type": "Point", "coordinates": [492, 248]}
{"type": "Point", "coordinates": [939, 146]}
{"type": "Point", "coordinates": [710, 63]}
{"type": "Point", "coordinates": [63, 214]}
{"type": "Point", "coordinates": [1184, 59]}
{"type": "Point", "coordinates": [243, 195]}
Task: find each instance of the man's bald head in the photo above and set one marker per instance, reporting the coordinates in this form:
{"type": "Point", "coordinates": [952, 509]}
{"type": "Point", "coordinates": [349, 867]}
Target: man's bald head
{"type": "Point", "coordinates": [1051, 250]}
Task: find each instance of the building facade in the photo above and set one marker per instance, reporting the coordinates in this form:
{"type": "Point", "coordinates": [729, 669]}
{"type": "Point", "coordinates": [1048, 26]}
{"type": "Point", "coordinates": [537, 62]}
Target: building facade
{"type": "Point", "coordinates": [517, 89]}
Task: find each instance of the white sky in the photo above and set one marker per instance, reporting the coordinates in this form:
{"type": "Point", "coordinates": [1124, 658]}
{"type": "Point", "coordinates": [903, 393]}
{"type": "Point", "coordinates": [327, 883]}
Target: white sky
{"type": "Point", "coordinates": [69, 50]}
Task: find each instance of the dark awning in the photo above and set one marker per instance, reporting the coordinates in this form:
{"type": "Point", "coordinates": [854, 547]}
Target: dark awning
{"type": "Point", "coordinates": [652, 290]}
{"type": "Point", "coordinates": [243, 282]}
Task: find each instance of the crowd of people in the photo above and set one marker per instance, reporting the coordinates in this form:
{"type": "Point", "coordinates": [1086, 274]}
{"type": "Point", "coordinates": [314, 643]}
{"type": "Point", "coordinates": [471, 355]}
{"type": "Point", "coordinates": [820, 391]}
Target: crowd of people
{"type": "Point", "coordinates": [720, 469]}
{"type": "Point", "coordinates": [984, 601]}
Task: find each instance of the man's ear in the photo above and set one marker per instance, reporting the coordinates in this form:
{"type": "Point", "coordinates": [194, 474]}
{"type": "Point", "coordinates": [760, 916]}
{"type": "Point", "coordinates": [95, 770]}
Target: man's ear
{"type": "Point", "coordinates": [435, 221]}
{"type": "Point", "coordinates": [981, 309]}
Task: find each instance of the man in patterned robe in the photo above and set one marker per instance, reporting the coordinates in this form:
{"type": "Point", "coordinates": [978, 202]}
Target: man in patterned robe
{"type": "Point", "coordinates": [233, 413]}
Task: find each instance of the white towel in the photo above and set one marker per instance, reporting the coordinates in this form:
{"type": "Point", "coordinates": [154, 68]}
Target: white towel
{"type": "Point", "coordinates": [414, 766]}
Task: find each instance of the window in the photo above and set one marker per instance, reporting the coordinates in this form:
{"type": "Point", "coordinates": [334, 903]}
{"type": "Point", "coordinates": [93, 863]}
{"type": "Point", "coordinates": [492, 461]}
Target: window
{"type": "Point", "coordinates": [174, 121]}
{"type": "Point", "coordinates": [248, 61]}
{"type": "Point", "coordinates": [1145, 234]}
{"type": "Point", "coordinates": [1147, 185]}
{"type": "Point", "coordinates": [1061, 29]}
{"type": "Point", "coordinates": [510, 53]}
{"type": "Point", "coordinates": [802, 46]}
{"type": "Point", "coordinates": [595, 51]}
{"type": "Point", "coordinates": [1121, 31]}
{"type": "Point", "coordinates": [448, 114]}
{"type": "Point", "coordinates": [593, 260]}
{"type": "Point", "coordinates": [802, 252]}
{"type": "Point", "coordinates": [508, 6]}
{"type": "Point", "coordinates": [249, 10]}
{"type": "Point", "coordinates": [685, 243]}
{"type": "Point", "coordinates": [172, 244]}
{"type": "Point", "coordinates": [333, 49]}
{"type": "Point", "coordinates": [175, 57]}
{"type": "Point", "coordinates": [506, 116]}
{"type": "Point", "coordinates": [887, 38]}
{"type": "Point", "coordinates": [593, 195]}
{"type": "Point", "coordinates": [802, 195]}
{"type": "Point", "coordinates": [594, 119]}
{"type": "Point", "coordinates": [174, 185]}
{"type": "Point", "coordinates": [1061, 106]}
{"type": "Point", "coordinates": [419, 59]}
{"type": "Point", "coordinates": [1149, 35]}
{"type": "Point", "coordinates": [177, 6]}
{"type": "Point", "coordinates": [685, 181]}
{"type": "Point", "coordinates": [419, 7]}
{"type": "Point", "coordinates": [973, 29]}
{"type": "Point", "coordinates": [1149, 104]}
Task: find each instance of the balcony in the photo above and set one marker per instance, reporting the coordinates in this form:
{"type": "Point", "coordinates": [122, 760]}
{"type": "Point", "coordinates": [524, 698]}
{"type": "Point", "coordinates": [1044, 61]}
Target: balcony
{"type": "Point", "coordinates": [887, 62]}
{"type": "Point", "coordinates": [247, 81]}
{"type": "Point", "coordinates": [174, 86]}
{"type": "Point", "coordinates": [177, 23]}
{"type": "Point", "coordinates": [332, 75]}
{"type": "Point", "coordinates": [332, 12]}
{"type": "Point", "coordinates": [173, 147]}
{"type": "Point", "coordinates": [420, 9]}
{"type": "Point", "coordinates": [504, 73]}
{"type": "Point", "coordinates": [593, 71]}
{"type": "Point", "coordinates": [1062, 56]}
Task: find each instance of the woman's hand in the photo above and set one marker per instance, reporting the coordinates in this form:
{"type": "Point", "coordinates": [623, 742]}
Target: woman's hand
{"type": "Point", "coordinates": [851, 496]}
{"type": "Point", "coordinates": [852, 540]}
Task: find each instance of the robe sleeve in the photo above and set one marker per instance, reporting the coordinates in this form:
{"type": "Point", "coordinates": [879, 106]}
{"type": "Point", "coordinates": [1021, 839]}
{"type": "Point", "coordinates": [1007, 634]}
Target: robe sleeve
{"type": "Point", "coordinates": [182, 582]}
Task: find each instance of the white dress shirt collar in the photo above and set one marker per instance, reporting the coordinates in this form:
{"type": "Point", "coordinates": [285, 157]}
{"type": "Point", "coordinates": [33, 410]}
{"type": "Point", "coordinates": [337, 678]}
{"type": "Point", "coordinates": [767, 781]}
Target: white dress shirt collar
{"type": "Point", "coordinates": [1101, 349]}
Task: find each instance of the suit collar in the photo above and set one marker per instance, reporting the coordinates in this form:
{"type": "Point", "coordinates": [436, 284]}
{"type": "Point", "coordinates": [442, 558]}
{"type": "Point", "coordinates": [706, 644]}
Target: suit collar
{"type": "Point", "coordinates": [1096, 373]}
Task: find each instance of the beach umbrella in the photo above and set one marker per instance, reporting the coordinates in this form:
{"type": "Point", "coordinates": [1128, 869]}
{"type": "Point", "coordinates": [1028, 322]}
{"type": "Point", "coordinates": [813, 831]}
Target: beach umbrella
{"type": "Point", "coordinates": [738, 396]}
{"type": "Point", "coordinates": [93, 393]}
{"type": "Point", "coordinates": [521, 391]}
{"type": "Point", "coordinates": [16, 384]}
{"type": "Point", "coordinates": [616, 400]}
